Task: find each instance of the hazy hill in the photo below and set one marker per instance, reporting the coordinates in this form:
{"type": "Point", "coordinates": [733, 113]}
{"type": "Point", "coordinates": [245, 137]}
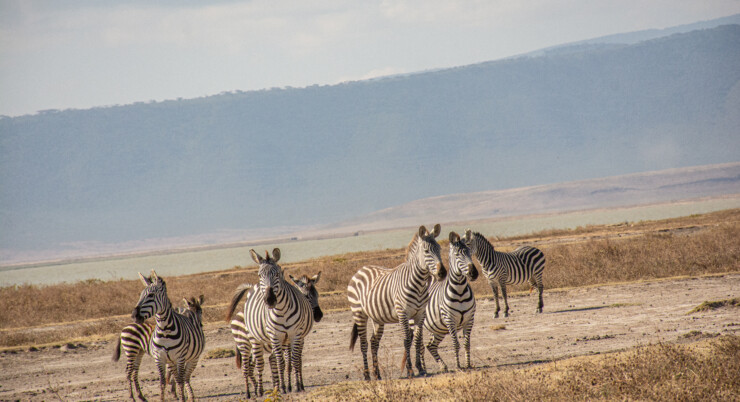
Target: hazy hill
{"type": "Point", "coordinates": [626, 190]}
{"type": "Point", "coordinates": [323, 154]}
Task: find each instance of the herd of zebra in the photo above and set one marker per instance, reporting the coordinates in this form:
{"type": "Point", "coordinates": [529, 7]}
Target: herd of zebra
{"type": "Point", "coordinates": [276, 315]}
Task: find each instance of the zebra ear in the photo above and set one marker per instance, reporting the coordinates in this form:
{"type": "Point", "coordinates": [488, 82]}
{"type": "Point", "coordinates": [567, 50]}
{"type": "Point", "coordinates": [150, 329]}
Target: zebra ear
{"type": "Point", "coordinates": [316, 278]}
{"type": "Point", "coordinates": [276, 254]}
{"type": "Point", "coordinates": [200, 300]}
{"type": "Point", "coordinates": [255, 257]}
{"type": "Point", "coordinates": [454, 237]}
{"type": "Point", "coordinates": [468, 235]}
{"type": "Point", "coordinates": [154, 276]}
{"type": "Point", "coordinates": [293, 279]}
{"type": "Point", "coordinates": [144, 279]}
{"type": "Point", "coordinates": [437, 230]}
{"type": "Point", "coordinates": [422, 231]}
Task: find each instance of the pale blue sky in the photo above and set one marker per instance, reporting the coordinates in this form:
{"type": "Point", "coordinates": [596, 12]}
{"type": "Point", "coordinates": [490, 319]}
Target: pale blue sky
{"type": "Point", "coordinates": [81, 54]}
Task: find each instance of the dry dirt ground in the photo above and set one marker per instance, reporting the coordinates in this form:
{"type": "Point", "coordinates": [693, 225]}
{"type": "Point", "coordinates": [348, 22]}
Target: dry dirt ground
{"type": "Point", "coordinates": [578, 321]}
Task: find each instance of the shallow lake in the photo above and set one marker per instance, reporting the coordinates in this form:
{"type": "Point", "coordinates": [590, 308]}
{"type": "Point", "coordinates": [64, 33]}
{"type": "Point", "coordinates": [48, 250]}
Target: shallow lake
{"type": "Point", "coordinates": [190, 262]}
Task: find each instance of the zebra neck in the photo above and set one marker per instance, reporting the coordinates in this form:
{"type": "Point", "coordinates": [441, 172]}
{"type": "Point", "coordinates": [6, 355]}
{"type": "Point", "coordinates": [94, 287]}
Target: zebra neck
{"type": "Point", "coordinates": [165, 316]}
{"type": "Point", "coordinates": [484, 251]}
{"type": "Point", "coordinates": [284, 302]}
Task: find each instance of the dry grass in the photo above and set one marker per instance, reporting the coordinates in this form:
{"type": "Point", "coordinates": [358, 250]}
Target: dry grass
{"type": "Point", "coordinates": [713, 305]}
{"type": "Point", "coordinates": [695, 245]}
{"type": "Point", "coordinates": [707, 370]}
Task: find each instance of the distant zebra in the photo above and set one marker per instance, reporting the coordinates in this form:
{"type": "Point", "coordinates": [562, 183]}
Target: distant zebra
{"type": "Point", "coordinates": [452, 304]}
{"type": "Point", "coordinates": [135, 340]}
{"type": "Point", "coordinates": [242, 338]}
{"type": "Point", "coordinates": [276, 316]}
{"type": "Point", "coordinates": [178, 339]}
{"type": "Point", "coordinates": [396, 295]}
{"type": "Point", "coordinates": [523, 264]}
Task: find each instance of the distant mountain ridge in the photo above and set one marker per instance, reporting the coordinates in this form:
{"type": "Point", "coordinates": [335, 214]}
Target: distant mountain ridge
{"type": "Point", "coordinates": [312, 156]}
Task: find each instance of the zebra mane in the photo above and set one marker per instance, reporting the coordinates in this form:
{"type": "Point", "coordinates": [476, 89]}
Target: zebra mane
{"type": "Point", "coordinates": [413, 245]}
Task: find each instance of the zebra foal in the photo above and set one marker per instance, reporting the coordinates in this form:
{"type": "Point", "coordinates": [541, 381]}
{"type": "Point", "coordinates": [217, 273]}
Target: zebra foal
{"type": "Point", "coordinates": [396, 295]}
{"type": "Point", "coordinates": [523, 264]}
{"type": "Point", "coordinates": [177, 340]}
{"type": "Point", "coordinates": [451, 304]}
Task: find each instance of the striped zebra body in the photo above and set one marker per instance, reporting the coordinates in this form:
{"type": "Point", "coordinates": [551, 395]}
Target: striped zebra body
{"type": "Point", "coordinates": [396, 295]}
{"type": "Point", "coordinates": [252, 347]}
{"type": "Point", "coordinates": [451, 304]}
{"type": "Point", "coordinates": [135, 342]}
{"type": "Point", "coordinates": [523, 264]}
{"type": "Point", "coordinates": [178, 339]}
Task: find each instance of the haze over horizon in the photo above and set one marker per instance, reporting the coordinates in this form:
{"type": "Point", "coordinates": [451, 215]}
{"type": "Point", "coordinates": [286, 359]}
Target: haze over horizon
{"type": "Point", "coordinates": [83, 54]}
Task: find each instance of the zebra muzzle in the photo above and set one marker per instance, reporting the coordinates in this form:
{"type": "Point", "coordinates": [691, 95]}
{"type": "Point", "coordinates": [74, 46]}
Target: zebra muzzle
{"type": "Point", "coordinates": [270, 298]}
{"type": "Point", "coordinates": [473, 273]}
{"type": "Point", "coordinates": [317, 314]}
{"type": "Point", "coordinates": [136, 316]}
{"type": "Point", "coordinates": [441, 272]}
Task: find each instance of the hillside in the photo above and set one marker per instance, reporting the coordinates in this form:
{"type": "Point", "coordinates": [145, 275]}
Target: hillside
{"type": "Point", "coordinates": [292, 157]}
{"type": "Point", "coordinates": [635, 189]}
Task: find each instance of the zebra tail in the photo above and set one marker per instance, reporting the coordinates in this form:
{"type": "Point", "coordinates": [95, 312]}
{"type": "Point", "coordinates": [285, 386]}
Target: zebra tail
{"type": "Point", "coordinates": [353, 338]}
{"type": "Point", "coordinates": [238, 358]}
{"type": "Point", "coordinates": [117, 350]}
{"type": "Point", "coordinates": [240, 291]}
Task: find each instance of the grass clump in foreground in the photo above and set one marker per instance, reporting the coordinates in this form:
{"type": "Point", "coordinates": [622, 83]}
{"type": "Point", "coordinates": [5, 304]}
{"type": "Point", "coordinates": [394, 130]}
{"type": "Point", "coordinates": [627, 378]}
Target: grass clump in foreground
{"type": "Point", "coordinates": [706, 370]}
{"type": "Point", "coordinates": [713, 305]}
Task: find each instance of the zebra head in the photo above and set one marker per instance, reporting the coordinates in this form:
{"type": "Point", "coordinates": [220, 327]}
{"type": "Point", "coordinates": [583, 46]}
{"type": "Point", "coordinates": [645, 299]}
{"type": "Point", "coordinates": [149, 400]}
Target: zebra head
{"type": "Point", "coordinates": [306, 286]}
{"type": "Point", "coordinates": [461, 263]}
{"type": "Point", "coordinates": [426, 250]}
{"type": "Point", "coordinates": [153, 298]}
{"type": "Point", "coordinates": [194, 308]}
{"type": "Point", "coordinates": [271, 275]}
{"type": "Point", "coordinates": [469, 241]}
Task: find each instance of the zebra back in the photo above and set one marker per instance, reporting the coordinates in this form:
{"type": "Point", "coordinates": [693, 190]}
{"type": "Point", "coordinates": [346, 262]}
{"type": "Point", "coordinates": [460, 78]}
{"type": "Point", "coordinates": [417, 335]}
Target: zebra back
{"type": "Point", "coordinates": [523, 264]}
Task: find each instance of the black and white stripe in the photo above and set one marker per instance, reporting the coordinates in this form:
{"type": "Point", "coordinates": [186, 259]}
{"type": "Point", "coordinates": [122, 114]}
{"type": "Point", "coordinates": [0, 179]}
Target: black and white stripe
{"type": "Point", "coordinates": [396, 295]}
{"type": "Point", "coordinates": [135, 341]}
{"type": "Point", "coordinates": [523, 264]}
{"type": "Point", "coordinates": [245, 342]}
{"type": "Point", "coordinates": [178, 339]}
{"type": "Point", "coordinates": [451, 304]}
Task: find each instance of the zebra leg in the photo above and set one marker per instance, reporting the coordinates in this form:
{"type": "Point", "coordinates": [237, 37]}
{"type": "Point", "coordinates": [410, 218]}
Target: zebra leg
{"type": "Point", "coordinates": [433, 349]}
{"type": "Point", "coordinates": [259, 365]}
{"type": "Point", "coordinates": [170, 373]}
{"type": "Point", "coordinates": [494, 288]}
{"type": "Point", "coordinates": [374, 346]}
{"type": "Point", "coordinates": [467, 330]}
{"type": "Point", "coordinates": [189, 367]}
{"type": "Point", "coordinates": [134, 377]}
{"type": "Point", "coordinates": [289, 364]}
{"type": "Point", "coordinates": [273, 370]}
{"type": "Point", "coordinates": [408, 339]}
{"type": "Point", "coordinates": [297, 358]}
{"type": "Point", "coordinates": [506, 299]}
{"type": "Point", "coordinates": [180, 379]}
{"type": "Point", "coordinates": [541, 304]}
{"type": "Point", "coordinates": [162, 368]}
{"type": "Point", "coordinates": [419, 345]}
{"type": "Point", "coordinates": [277, 351]}
{"type": "Point", "coordinates": [452, 330]}
{"type": "Point", "coordinates": [361, 323]}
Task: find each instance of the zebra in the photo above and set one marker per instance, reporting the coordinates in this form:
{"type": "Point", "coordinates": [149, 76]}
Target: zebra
{"type": "Point", "coordinates": [135, 341]}
{"type": "Point", "coordinates": [452, 304]}
{"type": "Point", "coordinates": [242, 337]}
{"type": "Point", "coordinates": [395, 295]}
{"type": "Point", "coordinates": [523, 264]}
{"type": "Point", "coordinates": [178, 339]}
{"type": "Point", "coordinates": [276, 316]}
